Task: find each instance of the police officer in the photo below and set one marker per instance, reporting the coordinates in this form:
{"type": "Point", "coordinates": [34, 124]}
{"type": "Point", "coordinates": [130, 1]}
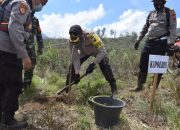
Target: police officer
{"type": "Point", "coordinates": [84, 44]}
{"type": "Point", "coordinates": [14, 29]}
{"type": "Point", "coordinates": [30, 46]}
{"type": "Point", "coordinates": [160, 28]}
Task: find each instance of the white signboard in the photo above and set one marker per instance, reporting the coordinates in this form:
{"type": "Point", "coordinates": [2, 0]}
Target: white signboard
{"type": "Point", "coordinates": [158, 64]}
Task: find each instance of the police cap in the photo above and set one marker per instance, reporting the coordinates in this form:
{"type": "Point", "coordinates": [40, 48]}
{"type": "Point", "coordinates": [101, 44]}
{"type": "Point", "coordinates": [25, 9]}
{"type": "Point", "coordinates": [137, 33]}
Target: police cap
{"type": "Point", "coordinates": [75, 32]}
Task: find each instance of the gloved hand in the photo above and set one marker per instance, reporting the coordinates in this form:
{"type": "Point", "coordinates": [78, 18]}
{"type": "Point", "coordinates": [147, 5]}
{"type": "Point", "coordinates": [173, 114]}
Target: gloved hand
{"type": "Point", "coordinates": [40, 51]}
{"type": "Point", "coordinates": [90, 68]}
{"type": "Point", "coordinates": [77, 78]}
{"type": "Point", "coordinates": [136, 44]}
{"type": "Point", "coordinates": [170, 49]}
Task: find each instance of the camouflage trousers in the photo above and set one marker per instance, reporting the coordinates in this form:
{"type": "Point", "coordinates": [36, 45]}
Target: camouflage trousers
{"type": "Point", "coordinates": [28, 75]}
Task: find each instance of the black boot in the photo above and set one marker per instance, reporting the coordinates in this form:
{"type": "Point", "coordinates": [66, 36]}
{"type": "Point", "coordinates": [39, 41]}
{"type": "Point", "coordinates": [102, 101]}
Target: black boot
{"type": "Point", "coordinates": [68, 89]}
{"type": "Point", "coordinates": [67, 83]}
{"type": "Point", "coordinates": [14, 124]}
{"type": "Point", "coordinates": [141, 80]}
{"type": "Point", "coordinates": [113, 88]}
{"type": "Point", "coordinates": [138, 88]}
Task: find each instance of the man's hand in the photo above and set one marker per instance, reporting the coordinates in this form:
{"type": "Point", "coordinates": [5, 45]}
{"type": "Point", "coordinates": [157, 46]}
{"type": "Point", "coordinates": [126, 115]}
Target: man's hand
{"type": "Point", "coordinates": [136, 44]}
{"type": "Point", "coordinates": [171, 45]}
{"type": "Point", "coordinates": [39, 51]}
{"type": "Point", "coordinates": [77, 78]}
{"type": "Point", "coordinates": [27, 63]}
{"type": "Point", "coordinates": [90, 68]}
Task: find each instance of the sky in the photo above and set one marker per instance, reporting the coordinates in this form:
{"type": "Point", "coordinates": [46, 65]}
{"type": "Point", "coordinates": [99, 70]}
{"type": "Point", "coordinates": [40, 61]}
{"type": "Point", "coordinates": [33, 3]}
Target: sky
{"type": "Point", "coordinates": [120, 15]}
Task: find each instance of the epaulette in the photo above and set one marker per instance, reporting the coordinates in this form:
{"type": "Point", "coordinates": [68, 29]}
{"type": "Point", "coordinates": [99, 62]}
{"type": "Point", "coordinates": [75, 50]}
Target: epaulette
{"type": "Point", "coordinates": [173, 14]}
{"type": "Point", "coordinates": [96, 41]}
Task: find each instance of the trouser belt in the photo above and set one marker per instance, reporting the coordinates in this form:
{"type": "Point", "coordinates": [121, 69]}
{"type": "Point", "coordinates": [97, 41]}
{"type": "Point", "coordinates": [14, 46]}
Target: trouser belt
{"type": "Point", "coordinates": [162, 38]}
{"type": "Point", "coordinates": [4, 26]}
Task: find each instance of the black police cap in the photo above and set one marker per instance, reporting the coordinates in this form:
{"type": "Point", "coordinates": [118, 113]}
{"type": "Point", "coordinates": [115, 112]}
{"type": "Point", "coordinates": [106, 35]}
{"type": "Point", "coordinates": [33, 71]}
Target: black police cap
{"type": "Point", "coordinates": [75, 30]}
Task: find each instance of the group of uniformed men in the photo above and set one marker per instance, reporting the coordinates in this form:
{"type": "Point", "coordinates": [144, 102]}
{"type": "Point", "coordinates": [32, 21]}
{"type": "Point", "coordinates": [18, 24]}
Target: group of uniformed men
{"type": "Point", "coordinates": [18, 26]}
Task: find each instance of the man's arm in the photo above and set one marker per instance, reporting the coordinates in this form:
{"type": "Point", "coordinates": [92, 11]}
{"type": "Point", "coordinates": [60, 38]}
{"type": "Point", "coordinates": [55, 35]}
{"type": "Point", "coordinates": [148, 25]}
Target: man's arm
{"type": "Point", "coordinates": [144, 29]}
{"type": "Point", "coordinates": [96, 42]}
{"type": "Point", "coordinates": [172, 26]}
{"type": "Point", "coordinates": [75, 58]}
{"type": "Point", "coordinates": [142, 33]}
{"type": "Point", "coordinates": [18, 16]}
{"type": "Point", "coordinates": [16, 28]}
{"type": "Point", "coordinates": [39, 37]}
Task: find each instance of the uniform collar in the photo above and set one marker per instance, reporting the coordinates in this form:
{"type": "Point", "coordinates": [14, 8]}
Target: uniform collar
{"type": "Point", "coordinates": [29, 3]}
{"type": "Point", "coordinates": [161, 12]}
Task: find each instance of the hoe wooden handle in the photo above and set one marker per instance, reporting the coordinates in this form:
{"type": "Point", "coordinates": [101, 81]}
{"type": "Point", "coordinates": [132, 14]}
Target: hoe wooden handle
{"type": "Point", "coordinates": [69, 85]}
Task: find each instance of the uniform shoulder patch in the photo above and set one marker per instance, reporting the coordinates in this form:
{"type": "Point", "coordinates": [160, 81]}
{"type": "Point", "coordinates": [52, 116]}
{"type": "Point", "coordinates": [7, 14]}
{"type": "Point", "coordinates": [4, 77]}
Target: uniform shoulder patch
{"type": "Point", "coordinates": [173, 14]}
{"type": "Point", "coordinates": [96, 41]}
{"type": "Point", "coordinates": [1, 1]}
{"type": "Point", "coordinates": [23, 8]}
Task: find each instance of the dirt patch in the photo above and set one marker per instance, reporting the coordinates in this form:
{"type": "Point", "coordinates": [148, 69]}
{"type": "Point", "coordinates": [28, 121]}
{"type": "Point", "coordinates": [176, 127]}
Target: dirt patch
{"type": "Point", "coordinates": [138, 115]}
{"type": "Point", "coordinates": [50, 117]}
{"type": "Point", "coordinates": [149, 119]}
{"type": "Point", "coordinates": [62, 113]}
{"type": "Point", "coordinates": [67, 98]}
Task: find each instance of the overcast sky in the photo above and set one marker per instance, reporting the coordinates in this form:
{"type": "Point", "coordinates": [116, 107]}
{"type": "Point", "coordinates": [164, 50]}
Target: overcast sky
{"type": "Point", "coordinates": [120, 15]}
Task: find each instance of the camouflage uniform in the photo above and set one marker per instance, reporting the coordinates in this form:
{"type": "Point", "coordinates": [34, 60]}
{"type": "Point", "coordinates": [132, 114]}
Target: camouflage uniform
{"type": "Point", "coordinates": [30, 46]}
{"type": "Point", "coordinates": [90, 45]}
{"type": "Point", "coordinates": [14, 29]}
{"type": "Point", "coordinates": [160, 34]}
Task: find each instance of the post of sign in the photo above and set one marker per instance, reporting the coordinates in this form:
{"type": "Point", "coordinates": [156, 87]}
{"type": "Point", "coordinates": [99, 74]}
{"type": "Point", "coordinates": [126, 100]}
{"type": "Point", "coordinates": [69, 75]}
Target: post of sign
{"type": "Point", "coordinates": [153, 91]}
{"type": "Point", "coordinates": [157, 65]}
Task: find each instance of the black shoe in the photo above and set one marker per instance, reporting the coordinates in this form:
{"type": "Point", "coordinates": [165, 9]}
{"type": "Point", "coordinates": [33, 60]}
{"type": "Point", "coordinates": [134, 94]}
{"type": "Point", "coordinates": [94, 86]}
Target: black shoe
{"type": "Point", "coordinates": [15, 124]}
{"type": "Point", "coordinates": [113, 88]}
{"type": "Point", "coordinates": [67, 89]}
{"type": "Point", "coordinates": [136, 89]}
{"type": "Point", "coordinates": [115, 92]}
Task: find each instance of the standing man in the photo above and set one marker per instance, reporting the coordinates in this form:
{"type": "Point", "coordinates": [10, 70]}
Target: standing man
{"type": "Point", "coordinates": [15, 25]}
{"type": "Point", "coordinates": [30, 46]}
{"type": "Point", "coordinates": [84, 44]}
{"type": "Point", "coordinates": [160, 28]}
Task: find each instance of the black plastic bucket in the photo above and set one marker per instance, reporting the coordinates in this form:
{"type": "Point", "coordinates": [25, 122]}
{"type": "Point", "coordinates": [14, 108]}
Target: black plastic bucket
{"type": "Point", "coordinates": [107, 110]}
